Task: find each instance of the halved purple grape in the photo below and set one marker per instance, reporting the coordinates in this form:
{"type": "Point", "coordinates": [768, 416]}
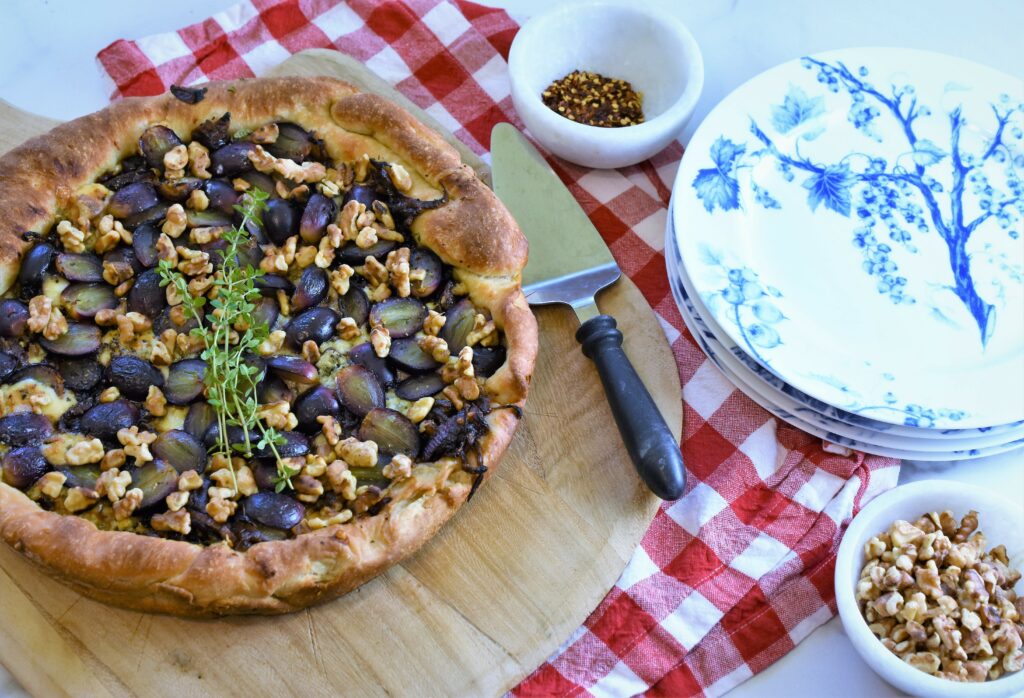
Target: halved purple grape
{"type": "Point", "coordinates": [315, 324]}
{"type": "Point", "coordinates": [178, 189]}
{"type": "Point", "coordinates": [487, 360]}
{"type": "Point", "coordinates": [393, 432]}
{"type": "Point", "coordinates": [40, 373]}
{"type": "Point", "coordinates": [311, 289]}
{"type": "Point", "coordinates": [249, 254]}
{"type": "Point", "coordinates": [458, 324]}
{"type": "Point", "coordinates": [184, 381]}
{"type": "Point", "coordinates": [85, 300]}
{"type": "Point", "coordinates": [201, 416]}
{"type": "Point", "coordinates": [355, 304]}
{"type": "Point", "coordinates": [293, 445]}
{"type": "Point", "coordinates": [214, 133]}
{"type": "Point", "coordinates": [364, 355]}
{"type": "Point", "coordinates": [34, 265]}
{"type": "Point", "coordinates": [273, 509]}
{"type": "Point", "coordinates": [273, 389]}
{"type": "Point", "coordinates": [81, 476]}
{"type": "Point", "coordinates": [402, 317]}
{"type": "Point", "coordinates": [147, 296]}
{"type": "Point", "coordinates": [280, 220]}
{"type": "Point", "coordinates": [133, 200]}
{"type": "Point", "coordinates": [293, 142]}
{"type": "Point", "coordinates": [355, 256]}
{"type": "Point", "coordinates": [124, 256]}
{"type": "Point", "coordinates": [270, 284]}
{"type": "Point", "coordinates": [417, 387]}
{"type": "Point", "coordinates": [23, 466]}
{"type": "Point", "coordinates": [264, 471]}
{"type": "Point", "coordinates": [8, 364]}
{"type": "Point", "coordinates": [319, 212]}
{"type": "Point", "coordinates": [407, 355]}
{"type": "Point", "coordinates": [221, 195]}
{"type": "Point", "coordinates": [87, 267]}
{"type": "Point", "coordinates": [266, 312]}
{"type": "Point", "coordinates": [129, 176]}
{"type": "Point", "coordinates": [293, 369]}
{"type": "Point", "coordinates": [363, 193]}
{"type": "Point", "coordinates": [236, 436]}
{"type": "Point", "coordinates": [181, 450]}
{"type": "Point", "coordinates": [155, 142]}
{"type": "Point", "coordinates": [315, 402]}
{"type": "Point", "coordinates": [257, 364]}
{"type": "Point", "coordinates": [232, 159]}
{"type": "Point", "coordinates": [107, 418]}
{"type": "Point", "coordinates": [132, 376]}
{"type": "Point", "coordinates": [78, 340]}
{"type": "Point", "coordinates": [165, 321]}
{"type": "Point", "coordinates": [13, 318]}
{"type": "Point", "coordinates": [422, 258]}
{"type": "Point", "coordinates": [153, 214]}
{"type": "Point", "coordinates": [156, 479]}
{"type": "Point", "coordinates": [210, 218]}
{"type": "Point", "coordinates": [144, 243]}
{"type": "Point", "coordinates": [261, 181]}
{"type": "Point", "coordinates": [359, 389]}
{"type": "Point", "coordinates": [80, 373]}
{"type": "Point", "coordinates": [23, 428]}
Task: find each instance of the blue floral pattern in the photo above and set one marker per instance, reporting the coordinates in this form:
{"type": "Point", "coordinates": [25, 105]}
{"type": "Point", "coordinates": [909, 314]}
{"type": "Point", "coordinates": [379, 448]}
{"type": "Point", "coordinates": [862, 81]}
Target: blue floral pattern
{"type": "Point", "coordinates": [890, 202]}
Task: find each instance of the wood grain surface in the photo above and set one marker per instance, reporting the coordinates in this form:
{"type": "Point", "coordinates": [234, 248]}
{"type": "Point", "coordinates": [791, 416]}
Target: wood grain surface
{"type": "Point", "coordinates": [472, 613]}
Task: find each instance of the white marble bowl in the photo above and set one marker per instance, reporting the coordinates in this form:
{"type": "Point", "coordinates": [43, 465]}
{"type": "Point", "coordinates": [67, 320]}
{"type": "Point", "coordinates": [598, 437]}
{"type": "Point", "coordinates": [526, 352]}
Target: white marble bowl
{"type": "Point", "coordinates": [655, 53]}
{"type": "Point", "coordinates": [1001, 520]}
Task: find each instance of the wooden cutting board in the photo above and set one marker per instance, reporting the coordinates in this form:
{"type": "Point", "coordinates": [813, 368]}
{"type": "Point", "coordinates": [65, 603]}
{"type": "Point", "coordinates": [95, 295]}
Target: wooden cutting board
{"type": "Point", "coordinates": [472, 613]}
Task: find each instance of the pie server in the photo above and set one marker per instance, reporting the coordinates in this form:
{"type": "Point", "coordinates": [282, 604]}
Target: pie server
{"type": "Point", "coordinates": [570, 263]}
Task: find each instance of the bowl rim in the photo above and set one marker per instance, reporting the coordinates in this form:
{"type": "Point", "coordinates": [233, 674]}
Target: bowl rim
{"type": "Point", "coordinates": [856, 626]}
{"type": "Point", "coordinates": [678, 111]}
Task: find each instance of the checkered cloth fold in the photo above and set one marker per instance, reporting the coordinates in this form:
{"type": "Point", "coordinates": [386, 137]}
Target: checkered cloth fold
{"type": "Point", "coordinates": [731, 577]}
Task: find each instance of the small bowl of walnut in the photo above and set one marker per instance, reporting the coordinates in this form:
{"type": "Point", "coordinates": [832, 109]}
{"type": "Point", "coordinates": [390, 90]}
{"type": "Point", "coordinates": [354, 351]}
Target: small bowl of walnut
{"type": "Point", "coordinates": [928, 585]}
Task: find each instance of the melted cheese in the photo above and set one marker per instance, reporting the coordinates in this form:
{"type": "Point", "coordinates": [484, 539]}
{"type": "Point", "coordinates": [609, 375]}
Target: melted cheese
{"type": "Point", "coordinates": [31, 396]}
{"type": "Point", "coordinates": [53, 286]}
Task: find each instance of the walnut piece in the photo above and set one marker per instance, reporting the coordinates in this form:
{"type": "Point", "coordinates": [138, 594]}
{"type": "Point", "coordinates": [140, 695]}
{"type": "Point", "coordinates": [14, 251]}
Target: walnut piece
{"type": "Point", "coordinates": [45, 318]}
{"type": "Point", "coordinates": [178, 521]}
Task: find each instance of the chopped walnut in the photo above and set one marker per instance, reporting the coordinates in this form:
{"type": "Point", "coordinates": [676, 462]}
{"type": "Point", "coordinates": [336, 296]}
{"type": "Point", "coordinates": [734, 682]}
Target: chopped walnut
{"type": "Point", "coordinates": [71, 237]}
{"type": "Point", "coordinates": [381, 341]}
{"type": "Point", "coordinates": [126, 506]}
{"type": "Point", "coordinates": [278, 415]}
{"type": "Point", "coordinates": [358, 454]}
{"type": "Point", "coordinates": [113, 484]}
{"type": "Point", "coordinates": [436, 347]}
{"type": "Point", "coordinates": [79, 499]}
{"type": "Point", "coordinates": [277, 259]}
{"type": "Point", "coordinates": [109, 394]}
{"type": "Point", "coordinates": [340, 279]}
{"type": "Point", "coordinates": [348, 329]}
{"type": "Point", "coordinates": [199, 161]}
{"type": "Point", "coordinates": [199, 285]}
{"type": "Point", "coordinates": [246, 481]}
{"type": "Point", "coordinates": [366, 238]}
{"type": "Point", "coordinates": [289, 169]}
{"type": "Point", "coordinates": [347, 226]}
{"type": "Point", "coordinates": [156, 403]}
{"type": "Point", "coordinates": [52, 483]}
{"type": "Point", "coordinates": [310, 351]}
{"type": "Point", "coordinates": [219, 509]}
{"type": "Point", "coordinates": [451, 393]}
{"type": "Point", "coordinates": [926, 589]}
{"type": "Point", "coordinates": [178, 521]}
{"type": "Point", "coordinates": [174, 221]}
{"type": "Point", "coordinates": [177, 500]}
{"type": "Point", "coordinates": [483, 332]}
{"type": "Point", "coordinates": [400, 177]}
{"type": "Point", "coordinates": [160, 355]}
{"type": "Point", "coordinates": [114, 458]}
{"type": "Point", "coordinates": [265, 134]}
{"type": "Point", "coordinates": [398, 268]}
{"type": "Point", "coordinates": [194, 262]}
{"type": "Point", "coordinates": [107, 316]}
{"type": "Point", "coordinates": [189, 480]}
{"type": "Point", "coordinates": [206, 234]}
{"type": "Point", "coordinates": [331, 429]}
{"type": "Point", "coordinates": [433, 323]}
{"type": "Point", "coordinates": [116, 273]}
{"type": "Point", "coordinates": [342, 480]}
{"type": "Point", "coordinates": [45, 318]}
{"type": "Point", "coordinates": [176, 159]}
{"type": "Point", "coordinates": [418, 411]}
{"type": "Point", "coordinates": [272, 344]}
{"type": "Point", "coordinates": [198, 200]}
{"type": "Point", "coordinates": [136, 443]}
{"type": "Point", "coordinates": [309, 488]}
{"type": "Point", "coordinates": [305, 256]}
{"type": "Point", "coordinates": [130, 323]}
{"type": "Point", "coordinates": [85, 452]}
{"type": "Point", "coordinates": [399, 468]}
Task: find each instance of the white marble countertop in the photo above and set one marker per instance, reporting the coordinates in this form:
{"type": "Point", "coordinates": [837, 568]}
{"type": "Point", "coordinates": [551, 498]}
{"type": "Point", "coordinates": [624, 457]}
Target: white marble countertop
{"type": "Point", "coordinates": [47, 50]}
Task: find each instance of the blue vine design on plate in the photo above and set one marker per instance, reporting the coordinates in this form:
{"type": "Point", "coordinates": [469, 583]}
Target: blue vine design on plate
{"type": "Point", "coordinates": [888, 202]}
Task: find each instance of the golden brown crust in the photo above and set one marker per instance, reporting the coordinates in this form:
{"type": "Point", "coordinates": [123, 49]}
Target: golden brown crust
{"type": "Point", "coordinates": [472, 232]}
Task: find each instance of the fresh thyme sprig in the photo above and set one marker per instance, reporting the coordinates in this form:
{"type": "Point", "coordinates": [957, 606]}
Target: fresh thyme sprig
{"type": "Point", "coordinates": [229, 331]}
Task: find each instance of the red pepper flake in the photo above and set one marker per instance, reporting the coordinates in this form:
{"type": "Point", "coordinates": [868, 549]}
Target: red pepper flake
{"type": "Point", "coordinates": [595, 100]}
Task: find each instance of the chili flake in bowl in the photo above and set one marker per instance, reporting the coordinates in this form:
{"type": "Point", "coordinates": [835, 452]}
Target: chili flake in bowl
{"type": "Point", "coordinates": [595, 100]}
{"type": "Point", "coordinates": [570, 66]}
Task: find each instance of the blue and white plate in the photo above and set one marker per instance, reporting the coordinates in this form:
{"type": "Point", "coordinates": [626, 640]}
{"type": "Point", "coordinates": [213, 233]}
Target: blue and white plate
{"type": "Point", "coordinates": [854, 221]}
{"type": "Point", "coordinates": [774, 395]}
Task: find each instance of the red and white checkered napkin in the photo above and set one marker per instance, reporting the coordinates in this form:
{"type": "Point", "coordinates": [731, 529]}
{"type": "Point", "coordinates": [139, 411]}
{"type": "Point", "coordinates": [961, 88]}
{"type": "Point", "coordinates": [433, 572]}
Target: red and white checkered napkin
{"type": "Point", "coordinates": [729, 578]}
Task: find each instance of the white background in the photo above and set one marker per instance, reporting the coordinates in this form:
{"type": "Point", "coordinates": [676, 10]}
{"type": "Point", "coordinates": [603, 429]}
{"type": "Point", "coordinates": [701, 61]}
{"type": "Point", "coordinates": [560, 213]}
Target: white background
{"type": "Point", "coordinates": [48, 47]}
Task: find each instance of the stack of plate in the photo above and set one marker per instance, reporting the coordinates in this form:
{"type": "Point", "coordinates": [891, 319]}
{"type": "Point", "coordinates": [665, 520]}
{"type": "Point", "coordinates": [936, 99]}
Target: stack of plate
{"type": "Point", "coordinates": [846, 242]}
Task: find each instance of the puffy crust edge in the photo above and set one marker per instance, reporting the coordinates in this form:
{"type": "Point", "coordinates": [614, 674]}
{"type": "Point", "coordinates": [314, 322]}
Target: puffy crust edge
{"type": "Point", "coordinates": [38, 179]}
